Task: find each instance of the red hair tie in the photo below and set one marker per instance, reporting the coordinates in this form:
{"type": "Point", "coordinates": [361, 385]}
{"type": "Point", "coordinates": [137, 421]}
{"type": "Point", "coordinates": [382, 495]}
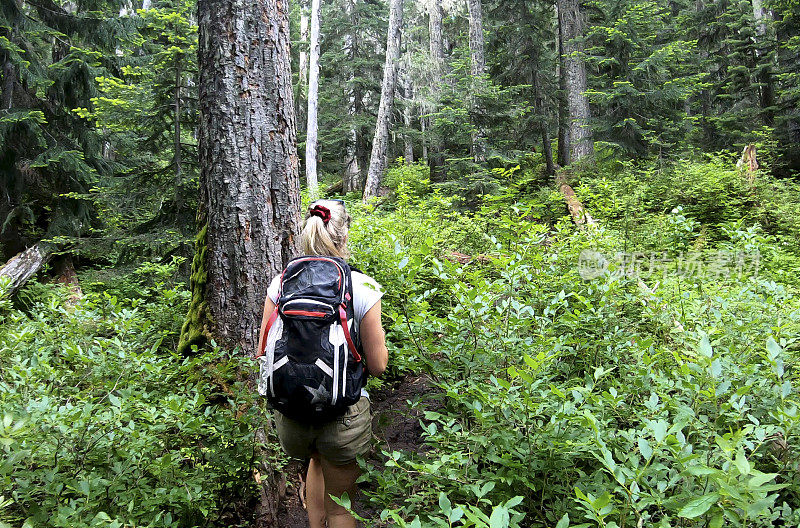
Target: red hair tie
{"type": "Point", "coordinates": [322, 212]}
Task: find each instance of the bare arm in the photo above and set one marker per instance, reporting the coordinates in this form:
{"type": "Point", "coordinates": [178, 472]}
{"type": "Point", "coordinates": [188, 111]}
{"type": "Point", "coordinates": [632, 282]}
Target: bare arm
{"type": "Point", "coordinates": [373, 341]}
{"type": "Point", "coordinates": [269, 306]}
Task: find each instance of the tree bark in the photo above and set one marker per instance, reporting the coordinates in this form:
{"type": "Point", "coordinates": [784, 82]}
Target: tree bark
{"type": "Point", "coordinates": [249, 186]}
{"type": "Point", "coordinates": [563, 109]}
{"type": "Point", "coordinates": [571, 19]}
{"type": "Point", "coordinates": [435, 41]}
{"type": "Point", "coordinates": [478, 69]}
{"type": "Point", "coordinates": [313, 92]}
{"type": "Point", "coordinates": [249, 182]}
{"type": "Point", "coordinates": [377, 162]}
{"type": "Point", "coordinates": [19, 269]}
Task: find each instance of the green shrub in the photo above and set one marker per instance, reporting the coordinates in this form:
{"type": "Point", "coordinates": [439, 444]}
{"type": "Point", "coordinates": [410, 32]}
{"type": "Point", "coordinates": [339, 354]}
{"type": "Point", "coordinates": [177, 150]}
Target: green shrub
{"type": "Point", "coordinates": [103, 427]}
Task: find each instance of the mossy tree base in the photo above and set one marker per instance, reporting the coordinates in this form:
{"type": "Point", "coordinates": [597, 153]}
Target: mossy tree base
{"type": "Point", "coordinates": [195, 329]}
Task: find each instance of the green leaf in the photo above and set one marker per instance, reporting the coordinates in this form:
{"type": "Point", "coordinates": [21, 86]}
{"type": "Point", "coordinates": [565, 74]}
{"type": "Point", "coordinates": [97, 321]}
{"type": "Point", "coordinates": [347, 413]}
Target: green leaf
{"type": "Point", "coordinates": [760, 479]}
{"type": "Point", "coordinates": [499, 518]}
{"type": "Point", "coordinates": [659, 429]}
{"type": "Point", "coordinates": [742, 464]}
{"type": "Point", "coordinates": [644, 448]}
{"type": "Point", "coordinates": [699, 506]}
{"type": "Point", "coordinates": [773, 349]}
{"type": "Point", "coordinates": [716, 368]}
{"type": "Point", "coordinates": [564, 522]}
{"type": "Point", "coordinates": [514, 501]}
{"type": "Point", "coordinates": [705, 347]}
{"type": "Point", "coordinates": [444, 504]}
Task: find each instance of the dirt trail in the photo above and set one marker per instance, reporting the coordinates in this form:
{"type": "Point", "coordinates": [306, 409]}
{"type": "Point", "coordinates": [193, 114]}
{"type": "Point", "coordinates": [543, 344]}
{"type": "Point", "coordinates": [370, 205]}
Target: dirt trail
{"type": "Point", "coordinates": [395, 425]}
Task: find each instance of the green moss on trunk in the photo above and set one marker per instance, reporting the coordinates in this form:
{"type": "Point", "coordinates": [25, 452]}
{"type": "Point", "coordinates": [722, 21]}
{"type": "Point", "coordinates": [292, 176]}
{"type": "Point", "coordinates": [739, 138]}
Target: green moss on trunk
{"type": "Point", "coordinates": [195, 329]}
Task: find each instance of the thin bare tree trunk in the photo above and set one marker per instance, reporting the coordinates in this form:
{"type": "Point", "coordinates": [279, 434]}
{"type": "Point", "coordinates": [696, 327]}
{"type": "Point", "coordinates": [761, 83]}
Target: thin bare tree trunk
{"type": "Point", "coordinates": [478, 70]}
{"type": "Point", "coordinates": [766, 89]}
{"type": "Point", "coordinates": [377, 161]}
{"type": "Point", "coordinates": [424, 131]}
{"type": "Point", "coordinates": [351, 180]}
{"type": "Point", "coordinates": [571, 18]}
{"type": "Point", "coordinates": [177, 138]}
{"type": "Point", "coordinates": [304, 39]}
{"type": "Point", "coordinates": [408, 93]}
{"type": "Point", "coordinates": [547, 150]}
{"type": "Point", "coordinates": [313, 91]}
{"type": "Point", "coordinates": [438, 67]}
{"type": "Point", "coordinates": [436, 41]}
{"type": "Point", "coordinates": [9, 76]}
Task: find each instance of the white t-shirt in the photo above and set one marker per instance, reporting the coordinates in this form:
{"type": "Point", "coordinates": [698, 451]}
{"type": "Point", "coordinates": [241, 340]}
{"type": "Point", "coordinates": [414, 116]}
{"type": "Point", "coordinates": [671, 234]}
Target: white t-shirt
{"type": "Point", "coordinates": [366, 292]}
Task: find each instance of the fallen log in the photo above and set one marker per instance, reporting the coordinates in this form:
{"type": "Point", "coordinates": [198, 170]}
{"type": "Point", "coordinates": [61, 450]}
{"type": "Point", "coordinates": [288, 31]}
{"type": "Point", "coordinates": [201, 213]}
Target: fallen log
{"type": "Point", "coordinates": [20, 268]}
{"type": "Point", "coordinates": [579, 215]}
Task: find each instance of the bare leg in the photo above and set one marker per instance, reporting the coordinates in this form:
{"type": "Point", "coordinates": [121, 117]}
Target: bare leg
{"type": "Point", "coordinates": [339, 479]}
{"type": "Point", "coordinates": [315, 493]}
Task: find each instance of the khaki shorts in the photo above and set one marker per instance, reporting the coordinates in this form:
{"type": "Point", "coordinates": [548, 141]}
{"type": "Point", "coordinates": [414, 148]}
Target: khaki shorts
{"type": "Point", "coordinates": [339, 441]}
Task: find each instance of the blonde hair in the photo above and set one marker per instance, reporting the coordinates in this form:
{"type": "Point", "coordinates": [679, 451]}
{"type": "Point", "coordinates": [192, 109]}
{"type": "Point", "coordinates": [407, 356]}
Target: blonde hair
{"type": "Point", "coordinates": [319, 238]}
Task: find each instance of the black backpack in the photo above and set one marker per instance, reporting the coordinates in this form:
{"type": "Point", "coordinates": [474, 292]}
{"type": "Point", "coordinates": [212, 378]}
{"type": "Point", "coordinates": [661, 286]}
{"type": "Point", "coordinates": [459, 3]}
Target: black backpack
{"type": "Point", "coordinates": [310, 361]}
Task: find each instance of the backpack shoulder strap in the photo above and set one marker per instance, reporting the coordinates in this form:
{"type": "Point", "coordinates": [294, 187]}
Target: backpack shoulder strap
{"type": "Point", "coordinates": [350, 344]}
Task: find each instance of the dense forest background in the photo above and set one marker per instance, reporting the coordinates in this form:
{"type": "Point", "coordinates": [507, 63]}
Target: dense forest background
{"type": "Point", "coordinates": [99, 101]}
{"type": "Point", "coordinates": [592, 308]}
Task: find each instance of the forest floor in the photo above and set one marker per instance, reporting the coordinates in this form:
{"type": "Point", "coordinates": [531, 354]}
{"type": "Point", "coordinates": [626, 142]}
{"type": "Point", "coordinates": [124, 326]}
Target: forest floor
{"type": "Point", "coordinates": [395, 427]}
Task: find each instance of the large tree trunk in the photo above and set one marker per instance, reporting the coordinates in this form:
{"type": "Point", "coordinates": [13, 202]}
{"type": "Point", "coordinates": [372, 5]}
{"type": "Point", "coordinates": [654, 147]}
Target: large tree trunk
{"type": "Point", "coordinates": [380, 142]}
{"type": "Point", "coordinates": [249, 183]}
{"type": "Point", "coordinates": [478, 70]}
{"type": "Point", "coordinates": [313, 90]}
{"type": "Point", "coordinates": [571, 19]}
{"type": "Point", "coordinates": [436, 41]}
{"type": "Point", "coordinates": [19, 269]}
{"type": "Point", "coordinates": [562, 156]}
{"type": "Point", "coordinates": [248, 177]}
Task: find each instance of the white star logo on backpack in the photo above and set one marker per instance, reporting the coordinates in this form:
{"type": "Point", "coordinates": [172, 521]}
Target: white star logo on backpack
{"type": "Point", "coordinates": [321, 394]}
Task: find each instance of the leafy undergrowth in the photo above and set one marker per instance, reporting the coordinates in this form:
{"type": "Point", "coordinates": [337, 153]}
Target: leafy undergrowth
{"type": "Point", "coordinates": [102, 425]}
{"type": "Point", "coordinates": [639, 374]}
{"type": "Point", "coordinates": [634, 396]}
